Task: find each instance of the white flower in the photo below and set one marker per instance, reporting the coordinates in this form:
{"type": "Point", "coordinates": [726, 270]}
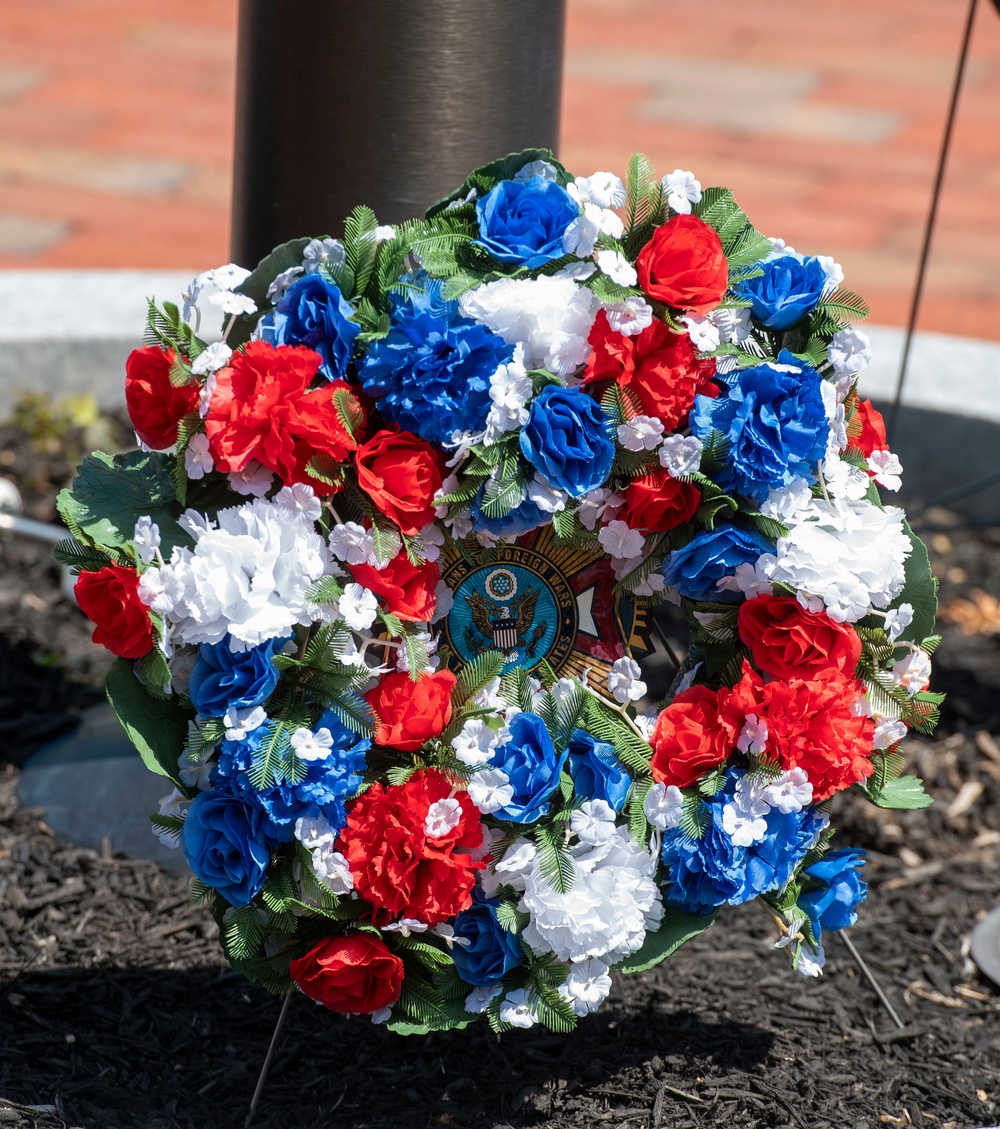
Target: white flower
{"type": "Point", "coordinates": [595, 504]}
{"type": "Point", "coordinates": [352, 543]}
{"type": "Point", "coordinates": [586, 986]}
{"type": "Point", "coordinates": [254, 480]}
{"type": "Point", "coordinates": [146, 539]}
{"type": "Point", "coordinates": [844, 481]}
{"type": "Point", "coordinates": [682, 189]}
{"type": "Point", "coordinates": [750, 579]}
{"type": "Point", "coordinates": [332, 869]}
{"type": "Point", "coordinates": [602, 188]}
{"type": "Point", "coordinates": [226, 278]}
{"type": "Point", "coordinates": [789, 504]}
{"type": "Point", "coordinates": [810, 963]}
{"type": "Point", "coordinates": [617, 268]}
{"type": "Point", "coordinates": [664, 805]}
{"type": "Point", "coordinates": [444, 600]}
{"type": "Point", "coordinates": [490, 790]}
{"type": "Point", "coordinates": [515, 865]}
{"type": "Point", "coordinates": [641, 433]}
{"type": "Point", "coordinates": [232, 303]}
{"type": "Point", "coordinates": [430, 540]}
{"type": "Point", "coordinates": [913, 672]}
{"type": "Point", "coordinates": [545, 169]}
{"type": "Point", "coordinates": [383, 233]}
{"type": "Point", "coordinates": [680, 455]}
{"type": "Point", "coordinates": [580, 237]}
{"type": "Point", "coordinates": [888, 732]}
{"type": "Point", "coordinates": [479, 999]}
{"type": "Point", "coordinates": [196, 770]}
{"type": "Point", "coordinates": [174, 804]}
{"type": "Point", "coordinates": [299, 499]}
{"type": "Point", "coordinates": [744, 817]}
{"type": "Point", "coordinates": [578, 271]}
{"type": "Point", "coordinates": [516, 1009]}
{"type": "Point", "coordinates": [358, 606]}
{"type": "Point", "coordinates": [705, 334]}
{"type": "Point", "coordinates": [548, 498]}
{"type": "Point", "coordinates": [887, 468]}
{"type": "Point", "coordinates": [834, 274]}
{"type": "Point", "coordinates": [624, 681]}
{"type": "Point", "coordinates": [613, 901]}
{"type": "Point", "coordinates": [403, 655]}
{"type": "Point", "coordinates": [309, 746]}
{"type": "Point", "coordinates": [281, 282]}
{"type": "Point", "coordinates": [897, 620]}
{"type": "Point", "coordinates": [488, 697]}
{"type": "Point", "coordinates": [630, 317]}
{"type": "Point", "coordinates": [240, 723]}
{"type": "Point", "coordinates": [211, 359]}
{"type": "Point", "coordinates": [447, 933]}
{"type": "Point", "coordinates": [314, 831]}
{"type": "Point", "coordinates": [320, 251]}
{"type": "Point", "coordinates": [454, 205]}
{"type": "Point", "coordinates": [789, 792]}
{"type": "Point", "coordinates": [593, 822]}
{"type": "Point", "coordinates": [198, 459]}
{"type": "Point", "coordinates": [734, 325]}
{"type": "Point", "coordinates": [619, 540]}
{"type": "Point", "coordinates": [442, 817]}
{"type": "Point", "coordinates": [510, 391]}
{"type": "Point", "coordinates": [205, 396]}
{"type": "Point", "coordinates": [405, 926]}
{"type": "Point", "coordinates": [475, 743]}
{"type": "Point", "coordinates": [753, 738]}
{"type": "Point", "coordinates": [849, 352]}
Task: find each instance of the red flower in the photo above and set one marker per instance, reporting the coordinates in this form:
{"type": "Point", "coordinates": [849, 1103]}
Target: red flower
{"type": "Point", "coordinates": [155, 406]}
{"type": "Point", "coordinates": [787, 641]}
{"type": "Point", "coordinates": [355, 975]}
{"type": "Point", "coordinates": [401, 474]}
{"type": "Point", "coordinates": [865, 427]}
{"type": "Point", "coordinates": [406, 589]}
{"type": "Point", "coordinates": [397, 867]}
{"type": "Point", "coordinates": [691, 737]}
{"type": "Point", "coordinates": [658, 366]}
{"type": "Point", "coordinates": [684, 265]}
{"type": "Point", "coordinates": [656, 502]}
{"type": "Point", "coordinates": [110, 597]}
{"type": "Point", "coordinates": [409, 712]}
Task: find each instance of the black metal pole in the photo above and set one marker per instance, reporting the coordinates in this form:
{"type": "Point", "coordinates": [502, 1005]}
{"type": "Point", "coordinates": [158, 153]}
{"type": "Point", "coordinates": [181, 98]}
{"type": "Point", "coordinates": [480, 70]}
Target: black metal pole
{"type": "Point", "coordinates": [385, 102]}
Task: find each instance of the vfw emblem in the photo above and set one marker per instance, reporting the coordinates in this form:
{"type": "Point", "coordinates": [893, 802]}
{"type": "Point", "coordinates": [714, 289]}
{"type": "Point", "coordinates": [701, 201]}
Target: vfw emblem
{"type": "Point", "coordinates": [535, 601]}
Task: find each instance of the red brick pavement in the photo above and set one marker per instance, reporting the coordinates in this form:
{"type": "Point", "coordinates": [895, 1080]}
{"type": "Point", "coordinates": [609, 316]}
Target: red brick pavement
{"type": "Point", "coordinates": [116, 118]}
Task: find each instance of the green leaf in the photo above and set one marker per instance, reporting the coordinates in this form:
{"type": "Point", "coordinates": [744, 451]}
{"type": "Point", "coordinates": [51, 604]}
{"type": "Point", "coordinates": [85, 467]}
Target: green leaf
{"type": "Point", "coordinates": [919, 590]}
{"type": "Point", "coordinates": [450, 1015]}
{"type": "Point", "coordinates": [280, 259]}
{"type": "Point", "coordinates": [156, 726]}
{"type": "Point", "coordinates": [486, 176]}
{"type": "Point", "coordinates": [82, 558]}
{"type": "Point", "coordinates": [359, 241]}
{"type": "Point", "coordinates": [675, 928]}
{"type": "Point", "coordinates": [905, 793]}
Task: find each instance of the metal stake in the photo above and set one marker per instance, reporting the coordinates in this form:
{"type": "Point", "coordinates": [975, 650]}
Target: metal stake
{"type": "Point", "coordinates": [871, 980]}
{"type": "Point", "coordinates": [267, 1061]}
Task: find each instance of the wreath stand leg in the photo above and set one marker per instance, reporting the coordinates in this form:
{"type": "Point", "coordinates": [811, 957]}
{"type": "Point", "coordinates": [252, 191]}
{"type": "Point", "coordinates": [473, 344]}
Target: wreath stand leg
{"type": "Point", "coordinates": [262, 1077]}
{"type": "Point", "coordinates": [870, 976]}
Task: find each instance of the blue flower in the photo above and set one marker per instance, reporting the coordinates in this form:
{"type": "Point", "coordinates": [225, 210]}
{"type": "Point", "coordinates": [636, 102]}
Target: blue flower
{"type": "Point", "coordinates": [524, 222]}
{"type": "Point", "coordinates": [223, 842]}
{"type": "Point", "coordinates": [694, 569]}
{"type": "Point", "coordinates": [789, 288]}
{"type": "Point", "coordinates": [524, 518]}
{"type": "Point", "coordinates": [836, 890]}
{"type": "Point", "coordinates": [221, 680]}
{"type": "Point", "coordinates": [492, 951]}
{"type": "Point", "coordinates": [313, 312]}
{"type": "Point", "coordinates": [431, 372]}
{"type": "Point", "coordinates": [566, 440]}
{"type": "Point", "coordinates": [532, 765]}
{"type": "Point", "coordinates": [775, 422]}
{"type": "Point", "coordinates": [596, 770]}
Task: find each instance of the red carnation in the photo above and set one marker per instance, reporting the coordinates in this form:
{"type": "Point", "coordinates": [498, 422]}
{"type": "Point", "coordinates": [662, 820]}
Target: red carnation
{"type": "Point", "coordinates": [354, 975]}
{"type": "Point", "coordinates": [155, 406]}
{"type": "Point", "coordinates": [684, 266]}
{"type": "Point", "coordinates": [659, 367]}
{"type": "Point", "coordinates": [787, 641]}
{"type": "Point", "coordinates": [407, 590]}
{"type": "Point", "coordinates": [409, 712]}
{"type": "Point", "coordinates": [691, 737]}
{"type": "Point", "coordinates": [401, 474]}
{"type": "Point", "coordinates": [400, 869]}
{"type": "Point", "coordinates": [110, 597]}
{"type": "Point", "coordinates": [656, 502]}
{"type": "Point", "coordinates": [866, 427]}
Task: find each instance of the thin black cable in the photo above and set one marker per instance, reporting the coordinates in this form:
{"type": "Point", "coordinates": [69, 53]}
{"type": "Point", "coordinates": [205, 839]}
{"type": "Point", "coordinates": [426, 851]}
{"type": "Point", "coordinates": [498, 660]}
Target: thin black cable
{"type": "Point", "coordinates": [931, 219]}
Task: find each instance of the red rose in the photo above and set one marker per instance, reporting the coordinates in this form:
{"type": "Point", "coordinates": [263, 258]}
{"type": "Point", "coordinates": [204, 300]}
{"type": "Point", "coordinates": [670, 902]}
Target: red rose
{"type": "Point", "coordinates": [684, 265]}
{"type": "Point", "coordinates": [691, 737]}
{"type": "Point", "coordinates": [787, 641]}
{"type": "Point", "coordinates": [406, 589]}
{"type": "Point", "coordinates": [355, 975]}
{"type": "Point", "coordinates": [656, 502]}
{"type": "Point", "coordinates": [400, 869]}
{"type": "Point", "coordinates": [110, 597]}
{"type": "Point", "coordinates": [409, 712]}
{"type": "Point", "coordinates": [866, 427]}
{"type": "Point", "coordinates": [155, 406]}
{"type": "Point", "coordinates": [401, 474]}
{"type": "Point", "coordinates": [659, 367]}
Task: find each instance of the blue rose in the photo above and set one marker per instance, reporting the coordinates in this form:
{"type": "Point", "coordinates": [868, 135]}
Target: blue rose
{"type": "Point", "coordinates": [431, 372]}
{"type": "Point", "coordinates": [523, 519]}
{"type": "Point", "coordinates": [492, 951]}
{"type": "Point", "coordinates": [789, 288]}
{"type": "Point", "coordinates": [566, 440]}
{"type": "Point", "coordinates": [532, 765]}
{"type": "Point", "coordinates": [524, 222]}
{"type": "Point", "coordinates": [694, 569]}
{"type": "Point", "coordinates": [596, 770]}
{"type": "Point", "coordinates": [313, 312]}
{"type": "Point", "coordinates": [223, 842]}
{"type": "Point", "coordinates": [775, 423]}
{"type": "Point", "coordinates": [221, 680]}
{"type": "Point", "coordinates": [833, 891]}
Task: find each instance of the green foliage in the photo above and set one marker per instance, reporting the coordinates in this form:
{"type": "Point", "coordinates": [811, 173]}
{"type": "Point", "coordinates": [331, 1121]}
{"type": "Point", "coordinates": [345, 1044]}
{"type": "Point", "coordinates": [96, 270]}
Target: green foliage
{"type": "Point", "coordinates": [554, 859]}
{"type": "Point", "coordinates": [695, 817]}
{"type": "Point", "coordinates": [919, 590]}
{"type": "Point", "coordinates": [675, 928]}
{"type": "Point", "coordinates": [166, 329]}
{"type": "Point", "coordinates": [156, 726]}
{"type": "Point", "coordinates": [478, 673]}
{"type": "Point", "coordinates": [82, 558]}
{"type": "Point", "coordinates": [604, 724]}
{"type": "Point", "coordinates": [243, 932]}
{"type": "Point", "coordinates": [885, 788]}
{"type": "Point", "coordinates": [359, 244]}
{"type": "Point", "coordinates": [280, 259]}
{"type": "Point", "coordinates": [485, 177]}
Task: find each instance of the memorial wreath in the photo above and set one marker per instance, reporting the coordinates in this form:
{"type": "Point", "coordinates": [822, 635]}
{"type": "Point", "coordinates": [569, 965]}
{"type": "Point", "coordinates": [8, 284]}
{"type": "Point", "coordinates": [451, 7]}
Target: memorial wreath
{"type": "Point", "coordinates": [379, 574]}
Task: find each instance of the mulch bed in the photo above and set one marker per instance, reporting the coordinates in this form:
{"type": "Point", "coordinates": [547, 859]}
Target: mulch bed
{"type": "Point", "coordinates": [117, 1010]}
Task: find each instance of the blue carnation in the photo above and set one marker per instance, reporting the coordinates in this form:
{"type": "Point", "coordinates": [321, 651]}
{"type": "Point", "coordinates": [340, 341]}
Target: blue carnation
{"type": "Point", "coordinates": [790, 287]}
{"type": "Point", "coordinates": [313, 312]}
{"type": "Point", "coordinates": [532, 766]}
{"type": "Point", "coordinates": [522, 519]}
{"type": "Point", "coordinates": [597, 772]}
{"type": "Point", "coordinates": [523, 222]}
{"type": "Point", "coordinates": [492, 951]}
{"type": "Point", "coordinates": [834, 889]}
{"type": "Point", "coordinates": [224, 843]}
{"type": "Point", "coordinates": [694, 569]}
{"type": "Point", "coordinates": [222, 680]}
{"type": "Point", "coordinates": [566, 440]}
{"type": "Point", "coordinates": [775, 423]}
{"type": "Point", "coordinates": [431, 372]}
